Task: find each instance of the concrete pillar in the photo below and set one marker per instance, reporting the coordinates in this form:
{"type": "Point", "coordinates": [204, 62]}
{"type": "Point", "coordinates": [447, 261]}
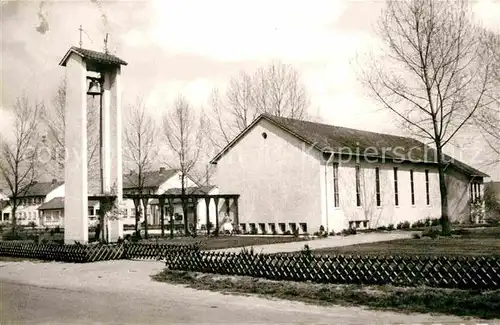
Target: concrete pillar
{"type": "Point", "coordinates": [106, 133]}
{"type": "Point", "coordinates": [75, 172]}
{"type": "Point", "coordinates": [115, 118]}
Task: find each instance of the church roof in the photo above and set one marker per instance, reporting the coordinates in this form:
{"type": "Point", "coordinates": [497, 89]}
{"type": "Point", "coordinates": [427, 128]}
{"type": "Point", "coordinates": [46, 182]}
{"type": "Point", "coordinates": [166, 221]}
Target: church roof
{"type": "Point", "coordinates": [341, 140]}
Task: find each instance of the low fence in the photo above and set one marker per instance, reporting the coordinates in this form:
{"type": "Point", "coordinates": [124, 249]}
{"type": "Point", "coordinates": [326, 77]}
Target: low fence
{"type": "Point", "coordinates": [92, 253]}
{"type": "Point", "coordinates": [449, 272]}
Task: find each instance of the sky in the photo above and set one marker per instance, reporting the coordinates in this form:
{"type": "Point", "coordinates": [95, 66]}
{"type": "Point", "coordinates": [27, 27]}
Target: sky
{"type": "Point", "coordinates": [192, 46]}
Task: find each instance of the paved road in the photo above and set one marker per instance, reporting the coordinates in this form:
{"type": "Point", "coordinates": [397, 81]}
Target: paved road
{"type": "Point", "coordinates": [334, 241]}
{"type": "Point", "coordinates": [118, 292]}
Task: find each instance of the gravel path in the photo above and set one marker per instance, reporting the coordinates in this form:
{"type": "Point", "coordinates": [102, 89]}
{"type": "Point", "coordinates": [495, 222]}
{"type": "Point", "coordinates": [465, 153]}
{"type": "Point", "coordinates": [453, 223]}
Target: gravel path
{"type": "Point", "coordinates": [334, 241]}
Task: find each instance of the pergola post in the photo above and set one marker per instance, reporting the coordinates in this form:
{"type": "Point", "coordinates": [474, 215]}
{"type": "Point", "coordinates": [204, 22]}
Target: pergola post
{"type": "Point", "coordinates": [207, 203]}
{"type": "Point", "coordinates": [161, 202]}
{"type": "Point", "coordinates": [145, 205]}
{"type": "Point", "coordinates": [137, 203]}
{"type": "Point", "coordinates": [171, 213]}
{"type": "Point", "coordinates": [216, 199]}
{"type": "Point", "coordinates": [236, 214]}
{"type": "Point", "coordinates": [195, 215]}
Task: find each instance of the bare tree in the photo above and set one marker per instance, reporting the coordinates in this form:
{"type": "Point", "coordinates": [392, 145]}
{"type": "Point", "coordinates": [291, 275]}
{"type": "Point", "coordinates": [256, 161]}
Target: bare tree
{"type": "Point", "coordinates": [275, 89]}
{"type": "Point", "coordinates": [140, 149]}
{"type": "Point", "coordinates": [54, 119]}
{"type": "Point", "coordinates": [434, 75]}
{"type": "Point", "coordinates": [18, 153]}
{"type": "Point", "coordinates": [488, 120]}
{"type": "Point", "coordinates": [184, 134]}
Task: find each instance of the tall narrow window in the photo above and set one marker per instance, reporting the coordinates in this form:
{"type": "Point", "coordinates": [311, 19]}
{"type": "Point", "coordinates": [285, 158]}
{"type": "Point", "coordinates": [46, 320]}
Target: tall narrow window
{"type": "Point", "coordinates": [358, 187]}
{"type": "Point", "coordinates": [336, 184]}
{"type": "Point", "coordinates": [377, 184]}
{"type": "Point", "coordinates": [412, 188]}
{"type": "Point", "coordinates": [427, 194]}
{"type": "Point", "coordinates": [396, 194]}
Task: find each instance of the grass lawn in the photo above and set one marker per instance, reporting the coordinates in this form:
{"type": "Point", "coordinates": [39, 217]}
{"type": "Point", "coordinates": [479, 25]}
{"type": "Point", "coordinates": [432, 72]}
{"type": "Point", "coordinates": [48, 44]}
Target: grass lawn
{"type": "Point", "coordinates": [415, 299]}
{"type": "Point", "coordinates": [474, 242]}
{"type": "Point", "coordinates": [227, 241]}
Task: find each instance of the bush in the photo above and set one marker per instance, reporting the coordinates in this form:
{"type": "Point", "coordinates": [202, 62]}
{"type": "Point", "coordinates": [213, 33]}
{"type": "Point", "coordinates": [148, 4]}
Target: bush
{"type": "Point", "coordinates": [435, 222]}
{"type": "Point", "coordinates": [382, 228]}
{"type": "Point", "coordinates": [419, 224]}
{"type": "Point", "coordinates": [432, 233]}
{"type": "Point", "coordinates": [32, 225]}
{"type": "Point", "coordinates": [253, 231]}
{"type": "Point", "coordinates": [288, 232]}
{"type": "Point", "coordinates": [403, 225]}
{"type": "Point", "coordinates": [57, 229]}
{"type": "Point", "coordinates": [332, 233]}
{"type": "Point", "coordinates": [350, 231]}
{"type": "Point", "coordinates": [415, 236]}
{"type": "Point", "coordinates": [390, 227]}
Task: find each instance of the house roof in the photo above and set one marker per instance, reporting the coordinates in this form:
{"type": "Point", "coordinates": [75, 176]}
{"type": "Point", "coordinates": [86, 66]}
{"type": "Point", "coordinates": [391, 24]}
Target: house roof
{"type": "Point", "coordinates": [99, 57]}
{"type": "Point", "coordinates": [199, 190]}
{"type": "Point", "coordinates": [40, 189]}
{"type": "Point", "coordinates": [152, 179]}
{"type": "Point", "coordinates": [3, 204]}
{"type": "Point", "coordinates": [57, 203]}
{"type": "Point", "coordinates": [341, 140]}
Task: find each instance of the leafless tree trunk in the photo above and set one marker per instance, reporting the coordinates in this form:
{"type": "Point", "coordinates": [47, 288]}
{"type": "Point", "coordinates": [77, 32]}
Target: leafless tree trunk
{"type": "Point", "coordinates": [54, 119]}
{"type": "Point", "coordinates": [18, 155]}
{"type": "Point", "coordinates": [140, 149]}
{"type": "Point", "coordinates": [275, 89]}
{"type": "Point", "coordinates": [184, 134]}
{"type": "Point", "coordinates": [434, 75]}
{"type": "Point", "coordinates": [488, 120]}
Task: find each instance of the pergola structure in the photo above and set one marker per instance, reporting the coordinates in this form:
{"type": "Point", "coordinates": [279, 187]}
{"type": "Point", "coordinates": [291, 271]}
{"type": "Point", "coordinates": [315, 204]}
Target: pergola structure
{"type": "Point", "coordinates": [167, 200]}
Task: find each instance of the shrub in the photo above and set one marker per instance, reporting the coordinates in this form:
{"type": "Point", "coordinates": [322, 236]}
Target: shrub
{"type": "Point", "coordinates": [274, 231]}
{"type": "Point", "coordinates": [253, 231]}
{"type": "Point", "coordinates": [432, 233]}
{"type": "Point", "coordinates": [403, 225]}
{"type": "Point", "coordinates": [415, 236]}
{"type": "Point", "coordinates": [350, 231]}
{"type": "Point", "coordinates": [321, 228]}
{"type": "Point", "coordinates": [332, 233]}
{"type": "Point", "coordinates": [32, 225]}
{"type": "Point", "coordinates": [435, 222]}
{"type": "Point", "coordinates": [306, 252]}
{"type": "Point", "coordinates": [390, 227]}
{"type": "Point", "coordinates": [317, 234]}
{"type": "Point", "coordinates": [419, 224]}
{"type": "Point", "coordinates": [382, 228]}
{"type": "Point", "coordinates": [246, 251]}
{"type": "Point", "coordinates": [288, 232]}
{"type": "Point", "coordinates": [296, 233]}
{"type": "Point", "coordinates": [57, 229]}
{"type": "Point", "coordinates": [14, 235]}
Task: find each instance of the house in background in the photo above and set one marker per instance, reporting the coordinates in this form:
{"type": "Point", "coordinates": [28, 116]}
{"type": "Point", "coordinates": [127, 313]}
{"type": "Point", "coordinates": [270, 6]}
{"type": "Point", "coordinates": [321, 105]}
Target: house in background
{"type": "Point", "coordinates": [201, 208]}
{"type": "Point", "coordinates": [4, 204]}
{"type": "Point", "coordinates": [165, 181]}
{"type": "Point", "coordinates": [52, 213]}
{"type": "Point", "coordinates": [309, 175]}
{"type": "Point", "coordinates": [28, 204]}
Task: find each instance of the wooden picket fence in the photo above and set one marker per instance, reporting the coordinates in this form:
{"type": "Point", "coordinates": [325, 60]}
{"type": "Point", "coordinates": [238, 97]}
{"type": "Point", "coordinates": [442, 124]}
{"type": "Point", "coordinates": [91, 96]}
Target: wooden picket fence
{"type": "Point", "coordinates": [92, 253]}
{"type": "Point", "coordinates": [449, 272]}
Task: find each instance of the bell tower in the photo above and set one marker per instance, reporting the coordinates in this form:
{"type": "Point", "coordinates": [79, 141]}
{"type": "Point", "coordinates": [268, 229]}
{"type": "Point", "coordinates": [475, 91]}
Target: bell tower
{"type": "Point", "coordinates": [97, 74]}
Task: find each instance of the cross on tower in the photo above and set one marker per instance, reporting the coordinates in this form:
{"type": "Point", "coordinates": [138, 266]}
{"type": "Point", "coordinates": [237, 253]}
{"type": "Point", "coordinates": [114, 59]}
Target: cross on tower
{"type": "Point", "coordinates": [106, 44]}
{"type": "Point", "coordinates": [81, 31]}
